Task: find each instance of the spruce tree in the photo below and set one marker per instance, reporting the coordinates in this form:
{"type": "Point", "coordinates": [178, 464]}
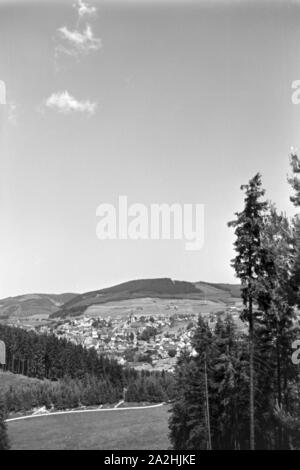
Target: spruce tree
{"type": "Point", "coordinates": [279, 318]}
{"type": "Point", "coordinates": [229, 391]}
{"type": "Point", "coordinates": [294, 181]}
{"type": "Point", "coordinates": [250, 267]}
{"type": "Point", "coordinates": [189, 422]}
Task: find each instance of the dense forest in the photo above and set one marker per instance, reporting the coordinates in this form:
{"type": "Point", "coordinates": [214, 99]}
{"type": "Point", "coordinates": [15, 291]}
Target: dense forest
{"type": "Point", "coordinates": [241, 391]}
{"type": "Point", "coordinates": [71, 375]}
{"type": "Point", "coordinates": [213, 383]}
{"type": "Point", "coordinates": [46, 356]}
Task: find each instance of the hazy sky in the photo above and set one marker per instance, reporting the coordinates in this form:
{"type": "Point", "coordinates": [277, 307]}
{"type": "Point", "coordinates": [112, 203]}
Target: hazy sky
{"type": "Point", "coordinates": [165, 102]}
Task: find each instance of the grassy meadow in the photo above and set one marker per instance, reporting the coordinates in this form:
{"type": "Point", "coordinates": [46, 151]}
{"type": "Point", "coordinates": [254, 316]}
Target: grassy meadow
{"type": "Point", "coordinates": [109, 430]}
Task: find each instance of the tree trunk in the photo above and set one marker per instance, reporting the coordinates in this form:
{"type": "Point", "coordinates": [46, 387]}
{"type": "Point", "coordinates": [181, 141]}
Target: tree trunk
{"type": "Point", "coordinates": [279, 393]}
{"type": "Point", "coordinates": [251, 364]}
{"type": "Point", "coordinates": [207, 407]}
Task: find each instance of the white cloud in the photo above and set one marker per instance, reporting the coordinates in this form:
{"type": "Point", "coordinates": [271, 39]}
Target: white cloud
{"type": "Point", "coordinates": [80, 40]}
{"type": "Point", "coordinates": [65, 103]}
{"type": "Point", "coordinates": [77, 42]}
{"type": "Point", "coordinates": [84, 9]}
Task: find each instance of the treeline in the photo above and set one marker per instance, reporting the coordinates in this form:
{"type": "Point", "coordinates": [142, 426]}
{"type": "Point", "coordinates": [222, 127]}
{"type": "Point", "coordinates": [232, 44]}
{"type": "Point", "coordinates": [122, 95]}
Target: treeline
{"type": "Point", "coordinates": [70, 393]}
{"type": "Point", "coordinates": [243, 391]}
{"type": "Point", "coordinates": [46, 356]}
{"type": "Point", "coordinates": [151, 387]}
{"type": "Point", "coordinates": [63, 394]}
{"type": "Point", "coordinates": [71, 375]}
{"type": "Point", "coordinates": [213, 384]}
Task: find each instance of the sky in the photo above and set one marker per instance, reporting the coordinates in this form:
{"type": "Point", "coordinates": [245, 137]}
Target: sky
{"type": "Point", "coordinates": [161, 101]}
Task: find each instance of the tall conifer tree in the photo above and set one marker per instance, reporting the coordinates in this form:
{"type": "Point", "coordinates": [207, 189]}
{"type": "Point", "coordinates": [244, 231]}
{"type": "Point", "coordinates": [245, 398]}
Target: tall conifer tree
{"type": "Point", "coordinates": [250, 267]}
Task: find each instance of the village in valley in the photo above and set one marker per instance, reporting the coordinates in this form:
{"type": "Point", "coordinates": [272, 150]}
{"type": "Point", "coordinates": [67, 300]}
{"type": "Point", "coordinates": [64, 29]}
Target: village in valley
{"type": "Point", "coordinates": [140, 340]}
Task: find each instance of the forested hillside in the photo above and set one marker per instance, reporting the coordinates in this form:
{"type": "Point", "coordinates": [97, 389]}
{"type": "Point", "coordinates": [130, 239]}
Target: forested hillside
{"type": "Point", "coordinates": [164, 288]}
{"type": "Point", "coordinates": [71, 375]}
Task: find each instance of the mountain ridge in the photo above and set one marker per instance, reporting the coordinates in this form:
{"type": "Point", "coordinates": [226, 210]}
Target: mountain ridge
{"type": "Point", "coordinates": [72, 304]}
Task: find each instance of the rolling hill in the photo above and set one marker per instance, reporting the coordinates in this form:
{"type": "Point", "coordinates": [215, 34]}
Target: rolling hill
{"type": "Point", "coordinates": [30, 305]}
{"type": "Point", "coordinates": [55, 306]}
{"type": "Point", "coordinates": [163, 288]}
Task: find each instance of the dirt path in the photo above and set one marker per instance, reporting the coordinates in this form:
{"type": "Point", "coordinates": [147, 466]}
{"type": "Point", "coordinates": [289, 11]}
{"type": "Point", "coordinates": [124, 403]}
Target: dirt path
{"type": "Point", "coordinates": [95, 410]}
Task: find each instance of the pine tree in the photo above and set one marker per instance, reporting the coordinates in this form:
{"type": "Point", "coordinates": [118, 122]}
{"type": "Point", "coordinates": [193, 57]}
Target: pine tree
{"type": "Point", "coordinates": [229, 393]}
{"type": "Point", "coordinates": [250, 267]}
{"type": "Point", "coordinates": [189, 422]}
{"type": "Point", "coordinates": [294, 181]}
{"type": "Point", "coordinates": [279, 319]}
{"type": "Point", "coordinates": [188, 429]}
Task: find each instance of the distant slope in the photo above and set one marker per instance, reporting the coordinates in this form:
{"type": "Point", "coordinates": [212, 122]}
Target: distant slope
{"type": "Point", "coordinates": [32, 304]}
{"type": "Point", "coordinates": [233, 289]}
{"type": "Point", "coordinates": [153, 288]}
{"type": "Point", "coordinates": [69, 304]}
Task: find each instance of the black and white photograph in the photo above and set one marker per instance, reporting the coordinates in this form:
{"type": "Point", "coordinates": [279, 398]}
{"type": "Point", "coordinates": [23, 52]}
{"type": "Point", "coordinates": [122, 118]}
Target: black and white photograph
{"type": "Point", "coordinates": [150, 227]}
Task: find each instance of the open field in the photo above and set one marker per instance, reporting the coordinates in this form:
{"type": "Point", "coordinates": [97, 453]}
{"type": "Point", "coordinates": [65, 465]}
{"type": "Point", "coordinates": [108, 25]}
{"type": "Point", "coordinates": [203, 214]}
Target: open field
{"type": "Point", "coordinates": [153, 306]}
{"type": "Point", "coordinates": [111, 430]}
{"type": "Point", "coordinates": [140, 306]}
